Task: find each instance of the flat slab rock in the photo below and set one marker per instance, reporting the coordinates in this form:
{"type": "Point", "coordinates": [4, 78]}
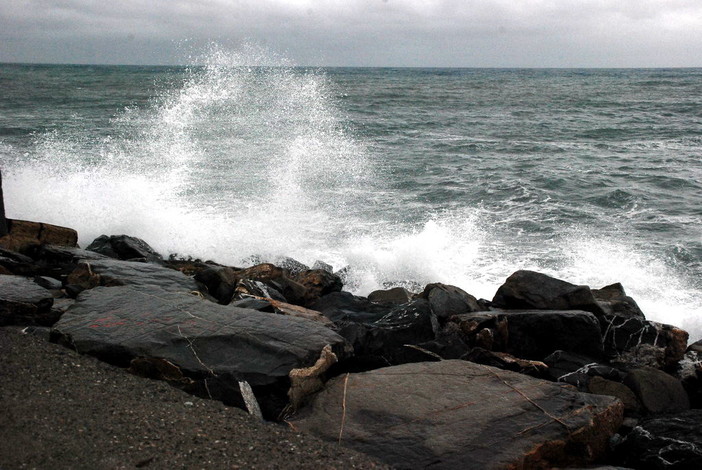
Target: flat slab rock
{"type": "Point", "coordinates": [457, 414]}
{"type": "Point", "coordinates": [142, 274]}
{"type": "Point", "coordinates": [118, 324]}
{"type": "Point", "coordinates": [22, 301]}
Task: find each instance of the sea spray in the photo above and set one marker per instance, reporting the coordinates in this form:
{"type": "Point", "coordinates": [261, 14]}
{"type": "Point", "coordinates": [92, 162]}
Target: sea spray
{"type": "Point", "coordinates": [243, 154]}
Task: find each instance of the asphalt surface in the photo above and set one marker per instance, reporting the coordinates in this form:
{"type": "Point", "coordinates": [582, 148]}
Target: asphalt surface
{"type": "Point", "coordinates": [61, 410]}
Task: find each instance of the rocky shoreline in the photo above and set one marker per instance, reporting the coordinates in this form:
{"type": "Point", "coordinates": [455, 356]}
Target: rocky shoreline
{"type": "Point", "coordinates": [545, 374]}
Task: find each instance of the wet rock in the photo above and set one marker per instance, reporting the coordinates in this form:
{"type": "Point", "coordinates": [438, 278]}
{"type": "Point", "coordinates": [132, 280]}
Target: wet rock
{"type": "Point", "coordinates": [112, 272]}
{"type": "Point", "coordinates": [506, 361]}
{"type": "Point", "coordinates": [578, 370]}
{"type": "Point", "coordinates": [535, 334]}
{"type": "Point", "coordinates": [317, 283]}
{"type": "Point", "coordinates": [283, 308]}
{"type": "Point", "coordinates": [395, 296]}
{"type": "Point", "coordinates": [602, 386]}
{"type": "Point", "coordinates": [216, 346]}
{"type": "Point", "coordinates": [614, 301]}
{"type": "Point", "coordinates": [124, 247]}
{"type": "Point", "coordinates": [17, 263]}
{"type": "Point", "coordinates": [323, 266]}
{"type": "Point", "coordinates": [291, 265]}
{"type": "Point", "coordinates": [633, 342]}
{"type": "Point", "coordinates": [346, 307]}
{"type": "Point", "coordinates": [671, 442]}
{"type": "Point", "coordinates": [448, 300]}
{"type": "Point", "coordinates": [532, 290]}
{"type": "Point", "coordinates": [690, 374]}
{"type": "Point", "coordinates": [219, 281]}
{"type": "Point", "coordinates": [445, 415]}
{"type": "Point", "coordinates": [247, 288]}
{"type": "Point", "coordinates": [22, 302]}
{"type": "Point", "coordinates": [657, 391]}
{"type": "Point", "coordinates": [48, 283]}
{"type": "Point", "coordinates": [23, 234]}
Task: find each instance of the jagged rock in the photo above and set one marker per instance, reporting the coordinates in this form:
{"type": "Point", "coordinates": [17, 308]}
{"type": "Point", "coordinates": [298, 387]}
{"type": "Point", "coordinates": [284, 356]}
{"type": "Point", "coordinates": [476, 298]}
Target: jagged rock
{"type": "Point", "coordinates": [247, 288]}
{"type": "Point", "coordinates": [532, 290]}
{"type": "Point", "coordinates": [216, 346]}
{"type": "Point", "coordinates": [634, 342]}
{"type": "Point", "coordinates": [602, 386]}
{"type": "Point", "coordinates": [291, 265]}
{"type": "Point", "coordinates": [448, 300]}
{"type": "Point", "coordinates": [446, 415]}
{"type": "Point", "coordinates": [23, 234]}
{"type": "Point", "coordinates": [578, 370]}
{"type": "Point", "coordinates": [220, 282]}
{"type": "Point", "coordinates": [324, 266]}
{"type": "Point", "coordinates": [657, 391]}
{"type": "Point", "coordinates": [506, 362]}
{"type": "Point", "coordinates": [264, 304]}
{"type": "Point", "coordinates": [614, 301]}
{"type": "Point", "coordinates": [672, 442]}
{"type": "Point", "coordinates": [346, 307]}
{"type": "Point", "coordinates": [124, 247]}
{"type": "Point", "coordinates": [317, 283]}
{"type": "Point", "coordinates": [112, 272]}
{"type": "Point", "coordinates": [22, 302]}
{"type": "Point", "coordinates": [395, 296]}
{"type": "Point", "coordinates": [690, 374]}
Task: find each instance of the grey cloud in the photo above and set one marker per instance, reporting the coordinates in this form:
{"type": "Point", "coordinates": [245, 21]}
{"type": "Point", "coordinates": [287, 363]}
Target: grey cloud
{"type": "Point", "coordinates": [361, 32]}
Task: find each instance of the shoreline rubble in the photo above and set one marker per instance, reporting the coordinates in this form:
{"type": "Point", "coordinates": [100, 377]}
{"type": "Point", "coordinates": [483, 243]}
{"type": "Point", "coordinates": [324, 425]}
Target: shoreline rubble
{"type": "Point", "coordinates": [540, 353]}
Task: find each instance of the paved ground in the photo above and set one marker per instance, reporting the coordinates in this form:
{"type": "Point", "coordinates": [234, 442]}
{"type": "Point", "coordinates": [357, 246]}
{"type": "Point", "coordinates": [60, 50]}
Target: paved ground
{"type": "Point", "coordinates": [60, 410]}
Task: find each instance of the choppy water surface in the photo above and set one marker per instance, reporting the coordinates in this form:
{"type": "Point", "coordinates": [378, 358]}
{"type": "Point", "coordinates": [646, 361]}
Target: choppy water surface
{"type": "Point", "coordinates": [406, 175]}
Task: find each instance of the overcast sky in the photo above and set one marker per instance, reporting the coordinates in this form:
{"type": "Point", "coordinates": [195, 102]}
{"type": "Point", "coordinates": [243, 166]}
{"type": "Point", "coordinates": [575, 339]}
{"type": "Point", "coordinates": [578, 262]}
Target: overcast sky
{"type": "Point", "coordinates": [459, 33]}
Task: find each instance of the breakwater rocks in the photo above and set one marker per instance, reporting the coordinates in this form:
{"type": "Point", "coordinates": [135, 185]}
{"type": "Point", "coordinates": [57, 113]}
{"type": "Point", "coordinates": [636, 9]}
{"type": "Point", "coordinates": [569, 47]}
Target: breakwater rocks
{"type": "Point", "coordinates": [545, 374]}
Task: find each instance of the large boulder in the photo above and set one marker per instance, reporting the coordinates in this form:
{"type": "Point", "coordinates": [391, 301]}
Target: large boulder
{"type": "Point", "coordinates": [672, 442]}
{"type": "Point", "coordinates": [124, 247]}
{"type": "Point", "coordinates": [23, 302]}
{"type": "Point", "coordinates": [216, 346]}
{"type": "Point", "coordinates": [457, 414]}
{"type": "Point", "coordinates": [532, 290]}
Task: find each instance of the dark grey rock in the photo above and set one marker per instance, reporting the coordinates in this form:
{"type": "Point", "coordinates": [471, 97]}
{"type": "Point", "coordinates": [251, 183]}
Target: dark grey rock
{"type": "Point", "coordinates": [324, 266]}
{"type": "Point", "coordinates": [23, 302]}
{"type": "Point", "coordinates": [532, 290]}
{"type": "Point", "coordinates": [614, 301]}
{"type": "Point", "coordinates": [657, 391]}
{"type": "Point", "coordinates": [395, 296]}
{"type": "Point", "coordinates": [215, 345]}
{"type": "Point", "coordinates": [446, 300]}
{"type": "Point", "coordinates": [672, 442]}
{"type": "Point", "coordinates": [48, 282]}
{"type": "Point", "coordinates": [124, 247]}
{"type": "Point", "coordinates": [457, 414]}
{"type": "Point", "coordinates": [114, 272]}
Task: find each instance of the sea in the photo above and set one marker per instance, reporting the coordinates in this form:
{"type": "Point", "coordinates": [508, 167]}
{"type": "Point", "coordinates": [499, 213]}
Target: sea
{"type": "Point", "coordinates": [399, 176]}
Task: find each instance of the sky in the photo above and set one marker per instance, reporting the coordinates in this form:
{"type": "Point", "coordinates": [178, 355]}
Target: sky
{"type": "Point", "coordinates": [396, 33]}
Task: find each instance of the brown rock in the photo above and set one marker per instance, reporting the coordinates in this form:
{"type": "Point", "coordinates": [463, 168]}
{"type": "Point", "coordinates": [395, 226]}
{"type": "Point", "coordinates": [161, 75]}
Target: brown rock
{"type": "Point", "coordinates": [23, 234]}
{"type": "Point", "coordinates": [457, 414]}
{"type": "Point", "coordinates": [657, 391]}
{"type": "Point", "coordinates": [602, 386]}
